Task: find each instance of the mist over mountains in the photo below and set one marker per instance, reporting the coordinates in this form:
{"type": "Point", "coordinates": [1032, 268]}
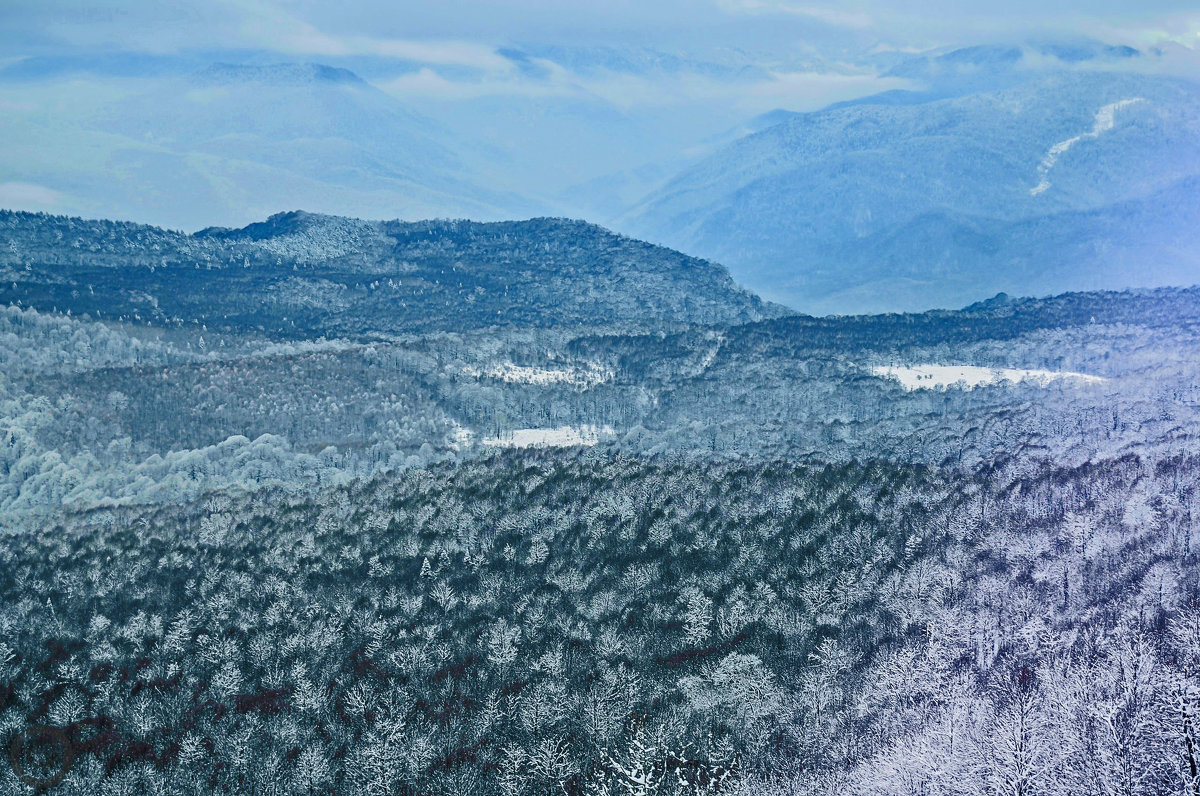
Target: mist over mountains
{"type": "Point", "coordinates": [229, 142]}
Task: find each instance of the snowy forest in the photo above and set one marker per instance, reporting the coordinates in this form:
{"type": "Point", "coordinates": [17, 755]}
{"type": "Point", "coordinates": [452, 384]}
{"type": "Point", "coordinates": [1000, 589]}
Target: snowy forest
{"type": "Point", "coordinates": [322, 506]}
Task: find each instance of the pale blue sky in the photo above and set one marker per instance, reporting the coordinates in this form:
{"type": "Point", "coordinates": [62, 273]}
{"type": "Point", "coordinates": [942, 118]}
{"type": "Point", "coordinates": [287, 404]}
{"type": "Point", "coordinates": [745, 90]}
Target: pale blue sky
{"type": "Point", "coordinates": [452, 31]}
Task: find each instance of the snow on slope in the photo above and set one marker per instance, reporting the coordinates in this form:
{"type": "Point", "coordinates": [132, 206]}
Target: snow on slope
{"type": "Point", "coordinates": [561, 437]}
{"type": "Point", "coordinates": [1105, 120]}
{"type": "Point", "coordinates": [968, 377]}
{"type": "Point", "coordinates": [321, 238]}
{"type": "Point", "coordinates": [460, 435]}
{"type": "Point", "coordinates": [520, 374]}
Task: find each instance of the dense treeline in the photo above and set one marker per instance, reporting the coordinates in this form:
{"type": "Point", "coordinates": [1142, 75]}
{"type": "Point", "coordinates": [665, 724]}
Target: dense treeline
{"type": "Point", "coordinates": [296, 351]}
{"type": "Point", "coordinates": [999, 318]}
{"type": "Point", "coordinates": [593, 624]}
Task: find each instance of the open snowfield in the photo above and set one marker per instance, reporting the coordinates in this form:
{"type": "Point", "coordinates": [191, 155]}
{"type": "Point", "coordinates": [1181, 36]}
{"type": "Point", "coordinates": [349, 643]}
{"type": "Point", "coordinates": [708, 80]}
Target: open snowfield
{"type": "Point", "coordinates": [562, 437]}
{"type": "Point", "coordinates": [968, 377]}
{"type": "Point", "coordinates": [521, 374]}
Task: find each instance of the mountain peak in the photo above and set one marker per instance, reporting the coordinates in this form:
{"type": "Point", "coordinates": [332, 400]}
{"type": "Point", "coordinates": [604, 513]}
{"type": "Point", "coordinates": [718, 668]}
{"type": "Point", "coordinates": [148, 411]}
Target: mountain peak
{"type": "Point", "coordinates": [290, 222]}
{"type": "Point", "coordinates": [997, 301]}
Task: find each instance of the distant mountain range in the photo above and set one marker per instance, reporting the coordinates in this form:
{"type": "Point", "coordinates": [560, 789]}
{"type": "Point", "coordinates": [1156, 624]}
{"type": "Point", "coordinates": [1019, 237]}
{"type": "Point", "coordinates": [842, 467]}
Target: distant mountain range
{"type": "Point", "coordinates": [1077, 180]}
{"type": "Point", "coordinates": [232, 142]}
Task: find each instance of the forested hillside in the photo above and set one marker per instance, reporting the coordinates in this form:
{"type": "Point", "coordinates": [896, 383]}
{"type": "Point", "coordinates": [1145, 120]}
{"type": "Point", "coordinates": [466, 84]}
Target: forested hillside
{"type": "Point", "coordinates": [301, 276]}
{"type": "Point", "coordinates": [321, 506]}
{"type": "Point", "coordinates": [99, 412]}
{"type": "Point", "coordinates": [596, 624]}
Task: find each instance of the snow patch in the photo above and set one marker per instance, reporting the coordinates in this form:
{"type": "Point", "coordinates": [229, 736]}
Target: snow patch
{"type": "Point", "coordinates": [589, 376]}
{"type": "Point", "coordinates": [561, 437]}
{"type": "Point", "coordinates": [711, 356]}
{"type": "Point", "coordinates": [322, 238]}
{"type": "Point", "coordinates": [968, 377]}
{"type": "Point", "coordinates": [460, 436]}
{"type": "Point", "coordinates": [1105, 120]}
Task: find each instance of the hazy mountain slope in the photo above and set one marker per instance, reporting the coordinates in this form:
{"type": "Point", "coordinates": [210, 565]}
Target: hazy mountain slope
{"type": "Point", "coordinates": [299, 275]}
{"type": "Point", "coordinates": [942, 259]}
{"type": "Point", "coordinates": [968, 194]}
{"type": "Point", "coordinates": [233, 143]}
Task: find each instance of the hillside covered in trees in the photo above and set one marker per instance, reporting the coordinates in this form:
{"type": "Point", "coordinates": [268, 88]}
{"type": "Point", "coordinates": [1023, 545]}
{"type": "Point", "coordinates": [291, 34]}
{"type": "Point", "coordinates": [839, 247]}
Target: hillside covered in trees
{"type": "Point", "coordinates": [299, 275]}
{"type": "Point", "coordinates": [321, 506]}
{"type": "Point", "coordinates": [590, 623]}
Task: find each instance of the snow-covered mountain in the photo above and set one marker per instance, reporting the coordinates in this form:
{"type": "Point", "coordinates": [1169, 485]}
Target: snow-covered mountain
{"type": "Point", "coordinates": [300, 275]}
{"type": "Point", "coordinates": [1072, 180]}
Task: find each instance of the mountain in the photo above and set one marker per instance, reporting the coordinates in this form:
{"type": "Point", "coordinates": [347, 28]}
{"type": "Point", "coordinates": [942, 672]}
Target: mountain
{"type": "Point", "coordinates": [230, 143]}
{"type": "Point", "coordinates": [140, 363]}
{"type": "Point", "coordinates": [1059, 183]}
{"type": "Point", "coordinates": [302, 275]}
{"type": "Point", "coordinates": [610, 195]}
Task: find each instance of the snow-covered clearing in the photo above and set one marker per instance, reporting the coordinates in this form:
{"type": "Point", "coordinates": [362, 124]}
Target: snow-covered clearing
{"type": "Point", "coordinates": [588, 376]}
{"type": "Point", "coordinates": [929, 377]}
{"type": "Point", "coordinates": [561, 437]}
{"type": "Point", "coordinates": [711, 356]}
{"type": "Point", "coordinates": [461, 436]}
{"type": "Point", "coordinates": [1105, 119]}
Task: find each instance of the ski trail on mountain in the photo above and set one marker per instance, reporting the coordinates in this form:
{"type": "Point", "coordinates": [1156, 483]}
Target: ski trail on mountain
{"type": "Point", "coordinates": [1105, 121]}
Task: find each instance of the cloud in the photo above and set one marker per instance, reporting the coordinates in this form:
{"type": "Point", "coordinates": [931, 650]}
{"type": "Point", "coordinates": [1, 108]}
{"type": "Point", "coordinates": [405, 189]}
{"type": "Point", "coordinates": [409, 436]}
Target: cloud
{"type": "Point", "coordinates": [792, 90]}
{"type": "Point", "coordinates": [830, 15]}
{"type": "Point", "coordinates": [903, 25]}
{"type": "Point", "coordinates": [796, 90]}
{"type": "Point", "coordinates": [308, 42]}
{"type": "Point", "coordinates": [169, 28]}
{"type": "Point", "coordinates": [429, 83]}
{"type": "Point", "coordinates": [27, 195]}
{"type": "Point", "coordinates": [266, 25]}
{"type": "Point", "coordinates": [1178, 29]}
{"type": "Point", "coordinates": [469, 33]}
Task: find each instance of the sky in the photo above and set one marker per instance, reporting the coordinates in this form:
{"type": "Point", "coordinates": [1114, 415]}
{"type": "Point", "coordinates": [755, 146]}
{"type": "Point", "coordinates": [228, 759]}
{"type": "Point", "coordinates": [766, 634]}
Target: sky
{"type": "Point", "coordinates": [454, 33]}
{"type": "Point", "coordinates": [749, 55]}
{"type": "Point", "coordinates": [801, 52]}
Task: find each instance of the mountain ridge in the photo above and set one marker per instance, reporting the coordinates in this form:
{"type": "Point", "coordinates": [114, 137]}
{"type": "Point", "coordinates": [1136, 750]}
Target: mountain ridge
{"type": "Point", "coordinates": [303, 275]}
